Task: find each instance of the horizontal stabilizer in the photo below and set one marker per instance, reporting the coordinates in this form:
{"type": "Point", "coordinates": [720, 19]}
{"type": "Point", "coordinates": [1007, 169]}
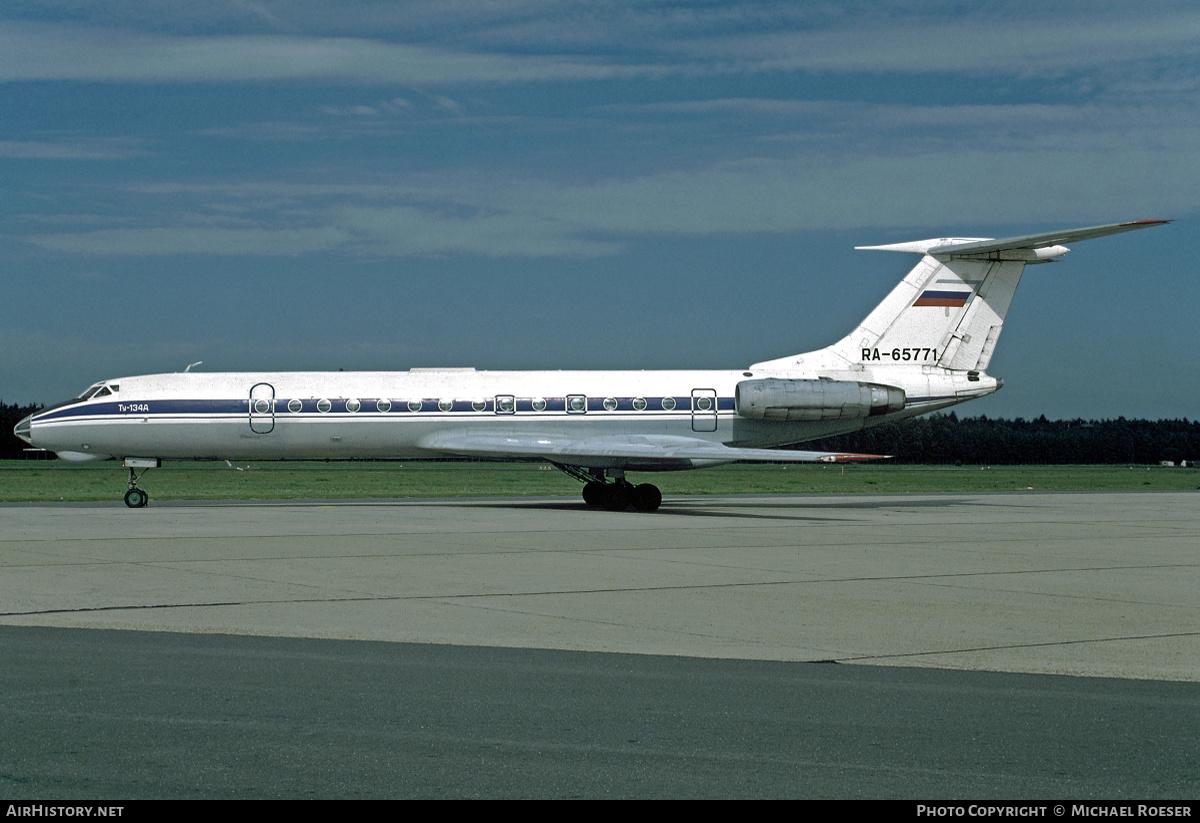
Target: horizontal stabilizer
{"type": "Point", "coordinates": [1016, 248]}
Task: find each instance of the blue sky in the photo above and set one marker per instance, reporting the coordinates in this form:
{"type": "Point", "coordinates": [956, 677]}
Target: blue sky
{"type": "Point", "coordinates": [525, 184]}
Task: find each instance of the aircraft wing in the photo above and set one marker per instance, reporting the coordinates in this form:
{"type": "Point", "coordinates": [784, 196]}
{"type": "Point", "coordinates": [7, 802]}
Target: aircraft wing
{"type": "Point", "coordinates": [608, 450]}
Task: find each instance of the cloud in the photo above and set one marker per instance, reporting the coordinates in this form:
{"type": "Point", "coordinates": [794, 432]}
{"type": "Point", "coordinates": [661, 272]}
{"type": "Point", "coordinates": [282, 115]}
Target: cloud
{"type": "Point", "coordinates": [407, 230]}
{"type": "Point", "coordinates": [515, 43]}
{"type": "Point", "coordinates": [873, 166]}
{"type": "Point", "coordinates": [931, 189]}
{"type": "Point", "coordinates": [351, 111]}
{"type": "Point", "coordinates": [68, 150]}
{"type": "Point", "coordinates": [535, 218]}
{"type": "Point", "coordinates": [1019, 44]}
{"type": "Point", "coordinates": [140, 242]}
{"type": "Point", "coordinates": [41, 51]}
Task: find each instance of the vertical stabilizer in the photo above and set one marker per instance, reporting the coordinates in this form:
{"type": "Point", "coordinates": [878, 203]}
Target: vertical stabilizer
{"type": "Point", "coordinates": [949, 310]}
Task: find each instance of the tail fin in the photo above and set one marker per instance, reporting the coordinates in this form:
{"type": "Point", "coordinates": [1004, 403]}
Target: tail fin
{"type": "Point", "coordinates": [949, 310]}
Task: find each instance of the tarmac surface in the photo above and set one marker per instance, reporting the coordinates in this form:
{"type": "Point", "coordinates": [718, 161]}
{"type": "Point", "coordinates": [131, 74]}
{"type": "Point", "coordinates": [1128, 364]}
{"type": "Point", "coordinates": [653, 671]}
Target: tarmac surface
{"type": "Point", "coordinates": [538, 648]}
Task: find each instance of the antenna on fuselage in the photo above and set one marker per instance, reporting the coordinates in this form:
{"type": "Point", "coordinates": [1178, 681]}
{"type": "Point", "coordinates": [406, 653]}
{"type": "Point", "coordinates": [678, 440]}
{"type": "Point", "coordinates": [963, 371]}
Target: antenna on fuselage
{"type": "Point", "coordinates": [189, 368]}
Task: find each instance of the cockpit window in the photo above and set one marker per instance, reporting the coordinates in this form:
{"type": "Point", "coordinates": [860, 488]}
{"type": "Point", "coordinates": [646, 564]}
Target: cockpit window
{"type": "Point", "coordinates": [100, 389]}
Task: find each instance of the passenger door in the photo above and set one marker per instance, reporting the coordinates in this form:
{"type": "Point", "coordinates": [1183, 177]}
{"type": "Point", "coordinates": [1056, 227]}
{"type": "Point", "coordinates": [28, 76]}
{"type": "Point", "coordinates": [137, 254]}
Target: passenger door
{"type": "Point", "coordinates": [704, 410]}
{"type": "Point", "coordinates": [262, 408]}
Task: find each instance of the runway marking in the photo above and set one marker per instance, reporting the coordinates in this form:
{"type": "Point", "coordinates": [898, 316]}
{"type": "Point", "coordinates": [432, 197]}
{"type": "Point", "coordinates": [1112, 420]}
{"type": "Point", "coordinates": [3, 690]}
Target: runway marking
{"type": "Point", "coordinates": [581, 591]}
{"type": "Point", "coordinates": [1004, 647]}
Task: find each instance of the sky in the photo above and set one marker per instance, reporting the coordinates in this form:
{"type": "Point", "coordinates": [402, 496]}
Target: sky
{"type": "Point", "coordinates": [524, 184]}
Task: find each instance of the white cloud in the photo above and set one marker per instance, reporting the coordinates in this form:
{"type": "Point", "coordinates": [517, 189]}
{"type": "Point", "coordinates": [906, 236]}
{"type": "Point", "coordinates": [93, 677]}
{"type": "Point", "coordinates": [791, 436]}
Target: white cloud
{"type": "Point", "coordinates": [194, 240]}
{"type": "Point", "coordinates": [943, 167]}
{"type": "Point", "coordinates": [68, 150]}
{"type": "Point", "coordinates": [407, 230]}
{"type": "Point", "coordinates": [39, 51]}
{"type": "Point", "coordinates": [516, 43]}
{"type": "Point", "coordinates": [1007, 43]}
{"type": "Point", "coordinates": [1053, 183]}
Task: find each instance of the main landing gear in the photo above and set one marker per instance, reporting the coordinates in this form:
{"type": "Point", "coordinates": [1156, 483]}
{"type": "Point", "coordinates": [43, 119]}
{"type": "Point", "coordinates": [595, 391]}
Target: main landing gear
{"type": "Point", "coordinates": [617, 495]}
{"type": "Point", "coordinates": [621, 494]}
{"type": "Point", "coordinates": [137, 498]}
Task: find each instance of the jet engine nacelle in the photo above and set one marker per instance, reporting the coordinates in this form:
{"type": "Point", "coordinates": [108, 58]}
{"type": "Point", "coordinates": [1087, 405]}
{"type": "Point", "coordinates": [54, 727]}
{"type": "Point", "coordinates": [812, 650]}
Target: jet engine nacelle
{"type": "Point", "coordinates": [774, 399]}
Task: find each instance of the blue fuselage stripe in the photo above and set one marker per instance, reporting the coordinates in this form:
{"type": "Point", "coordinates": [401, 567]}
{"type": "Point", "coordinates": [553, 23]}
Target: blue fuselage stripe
{"type": "Point", "coordinates": [368, 405]}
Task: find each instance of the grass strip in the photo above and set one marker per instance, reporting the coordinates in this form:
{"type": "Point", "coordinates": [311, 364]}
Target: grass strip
{"type": "Point", "coordinates": [34, 481]}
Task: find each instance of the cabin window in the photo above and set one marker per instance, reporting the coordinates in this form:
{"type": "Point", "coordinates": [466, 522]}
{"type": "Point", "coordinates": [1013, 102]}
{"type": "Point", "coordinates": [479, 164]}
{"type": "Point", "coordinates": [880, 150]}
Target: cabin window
{"type": "Point", "coordinates": [505, 404]}
{"type": "Point", "coordinates": [352, 405]}
{"type": "Point", "coordinates": [639, 404]}
{"type": "Point", "coordinates": [479, 405]}
{"type": "Point", "coordinates": [576, 403]}
{"type": "Point", "coordinates": [414, 405]}
{"type": "Point", "coordinates": [704, 403]}
{"type": "Point", "coordinates": [668, 403]}
{"type": "Point", "coordinates": [539, 404]}
{"type": "Point", "coordinates": [383, 404]}
{"type": "Point", "coordinates": [610, 404]}
{"type": "Point", "coordinates": [262, 406]}
{"type": "Point", "coordinates": [295, 406]}
{"type": "Point", "coordinates": [445, 405]}
{"type": "Point", "coordinates": [323, 406]}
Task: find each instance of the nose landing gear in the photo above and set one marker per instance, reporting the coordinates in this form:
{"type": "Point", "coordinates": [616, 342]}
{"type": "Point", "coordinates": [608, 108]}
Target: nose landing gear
{"type": "Point", "coordinates": [137, 498]}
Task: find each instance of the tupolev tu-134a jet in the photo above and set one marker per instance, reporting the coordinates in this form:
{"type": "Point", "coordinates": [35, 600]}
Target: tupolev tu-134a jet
{"type": "Point", "coordinates": [925, 347]}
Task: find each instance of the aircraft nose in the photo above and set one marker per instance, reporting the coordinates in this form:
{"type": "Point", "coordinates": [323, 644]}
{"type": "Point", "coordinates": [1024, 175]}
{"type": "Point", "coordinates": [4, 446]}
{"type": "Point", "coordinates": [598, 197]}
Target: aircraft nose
{"type": "Point", "coordinates": [23, 429]}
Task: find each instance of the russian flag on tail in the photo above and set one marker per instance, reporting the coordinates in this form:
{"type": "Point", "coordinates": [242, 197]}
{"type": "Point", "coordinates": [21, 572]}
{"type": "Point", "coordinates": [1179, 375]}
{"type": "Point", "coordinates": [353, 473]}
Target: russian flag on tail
{"type": "Point", "coordinates": [953, 299]}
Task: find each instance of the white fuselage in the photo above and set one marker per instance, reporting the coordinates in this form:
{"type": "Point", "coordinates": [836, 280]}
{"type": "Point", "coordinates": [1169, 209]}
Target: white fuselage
{"type": "Point", "coordinates": [349, 415]}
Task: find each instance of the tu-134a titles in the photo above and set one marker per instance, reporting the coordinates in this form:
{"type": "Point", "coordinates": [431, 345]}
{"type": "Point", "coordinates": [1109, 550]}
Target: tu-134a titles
{"type": "Point", "coordinates": [925, 347]}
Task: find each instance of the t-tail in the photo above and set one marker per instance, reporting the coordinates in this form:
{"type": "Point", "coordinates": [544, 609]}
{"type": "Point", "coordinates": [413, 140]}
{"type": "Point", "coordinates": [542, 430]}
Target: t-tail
{"type": "Point", "coordinates": [949, 311]}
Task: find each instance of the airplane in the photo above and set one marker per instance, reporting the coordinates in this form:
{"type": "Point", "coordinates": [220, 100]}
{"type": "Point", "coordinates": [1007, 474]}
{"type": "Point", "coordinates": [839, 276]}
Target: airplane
{"type": "Point", "coordinates": [925, 347]}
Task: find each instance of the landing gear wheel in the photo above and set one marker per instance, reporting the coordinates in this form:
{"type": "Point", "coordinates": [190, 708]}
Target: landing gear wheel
{"type": "Point", "coordinates": [646, 497]}
{"type": "Point", "coordinates": [593, 493]}
{"type": "Point", "coordinates": [136, 498]}
{"type": "Point", "coordinates": [618, 496]}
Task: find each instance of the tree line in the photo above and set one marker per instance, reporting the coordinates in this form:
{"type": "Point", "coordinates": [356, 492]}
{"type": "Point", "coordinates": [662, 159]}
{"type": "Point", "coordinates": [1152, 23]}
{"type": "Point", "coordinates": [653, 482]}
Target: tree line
{"type": "Point", "coordinates": [945, 438]}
